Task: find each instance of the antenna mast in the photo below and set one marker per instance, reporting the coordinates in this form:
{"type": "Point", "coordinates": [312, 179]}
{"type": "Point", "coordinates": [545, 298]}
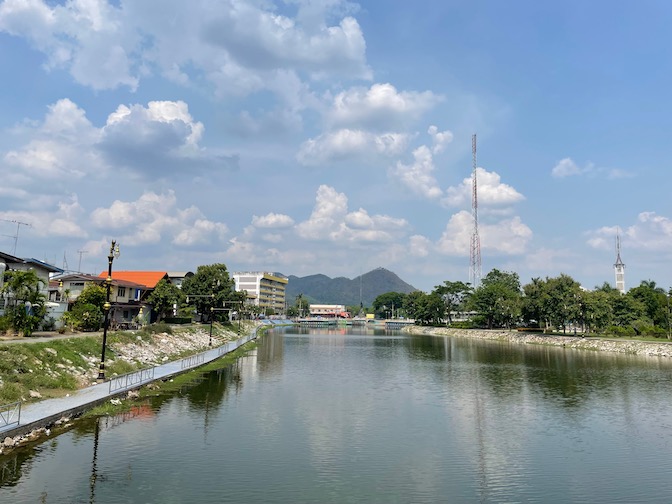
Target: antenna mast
{"type": "Point", "coordinates": [16, 236]}
{"type": "Point", "coordinates": [475, 249]}
{"type": "Point", "coordinates": [81, 253]}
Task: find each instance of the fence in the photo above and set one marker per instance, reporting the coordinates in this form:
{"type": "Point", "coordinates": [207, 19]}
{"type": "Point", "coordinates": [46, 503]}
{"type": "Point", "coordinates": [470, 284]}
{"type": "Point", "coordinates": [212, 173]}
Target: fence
{"type": "Point", "coordinates": [193, 361]}
{"type": "Point", "coordinates": [10, 414]}
{"type": "Point", "coordinates": [131, 379]}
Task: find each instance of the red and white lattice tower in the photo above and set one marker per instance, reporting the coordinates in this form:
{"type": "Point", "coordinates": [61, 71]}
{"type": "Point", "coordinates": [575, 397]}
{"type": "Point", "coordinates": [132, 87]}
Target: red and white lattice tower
{"type": "Point", "coordinates": [475, 249]}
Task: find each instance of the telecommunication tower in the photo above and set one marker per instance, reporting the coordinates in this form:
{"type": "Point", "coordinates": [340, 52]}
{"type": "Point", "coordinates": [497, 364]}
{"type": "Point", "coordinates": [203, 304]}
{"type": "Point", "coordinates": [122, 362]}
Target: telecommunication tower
{"type": "Point", "coordinates": [619, 266]}
{"type": "Point", "coordinates": [475, 249]}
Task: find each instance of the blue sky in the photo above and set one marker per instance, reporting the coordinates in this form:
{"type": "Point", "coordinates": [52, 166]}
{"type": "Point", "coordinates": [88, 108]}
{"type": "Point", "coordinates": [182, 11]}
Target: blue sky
{"type": "Point", "coordinates": [334, 137]}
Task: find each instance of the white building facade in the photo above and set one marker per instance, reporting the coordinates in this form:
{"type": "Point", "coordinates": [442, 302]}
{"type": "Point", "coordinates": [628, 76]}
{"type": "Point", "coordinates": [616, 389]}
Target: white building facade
{"type": "Point", "coordinates": [264, 289]}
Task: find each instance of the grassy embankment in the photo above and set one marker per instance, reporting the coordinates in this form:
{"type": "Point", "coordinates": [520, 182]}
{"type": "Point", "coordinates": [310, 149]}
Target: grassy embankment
{"type": "Point", "coordinates": [33, 371]}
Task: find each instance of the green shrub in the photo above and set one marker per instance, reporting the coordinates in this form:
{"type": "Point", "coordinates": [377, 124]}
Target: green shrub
{"type": "Point", "coordinates": [84, 317]}
{"type": "Point", "coordinates": [48, 324]}
{"type": "Point", "coordinates": [158, 328]}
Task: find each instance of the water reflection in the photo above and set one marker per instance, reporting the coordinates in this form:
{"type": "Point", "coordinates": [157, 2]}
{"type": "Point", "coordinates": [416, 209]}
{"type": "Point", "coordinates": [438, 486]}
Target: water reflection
{"type": "Point", "coordinates": [374, 416]}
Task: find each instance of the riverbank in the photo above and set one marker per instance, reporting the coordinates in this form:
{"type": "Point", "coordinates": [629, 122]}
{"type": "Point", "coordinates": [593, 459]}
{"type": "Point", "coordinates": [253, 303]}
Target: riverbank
{"type": "Point", "coordinates": [38, 418]}
{"type": "Point", "coordinates": [645, 348]}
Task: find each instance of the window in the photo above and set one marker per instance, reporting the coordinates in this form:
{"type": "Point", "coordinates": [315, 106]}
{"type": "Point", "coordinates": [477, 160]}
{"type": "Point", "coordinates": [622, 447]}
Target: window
{"type": "Point", "coordinates": [121, 292]}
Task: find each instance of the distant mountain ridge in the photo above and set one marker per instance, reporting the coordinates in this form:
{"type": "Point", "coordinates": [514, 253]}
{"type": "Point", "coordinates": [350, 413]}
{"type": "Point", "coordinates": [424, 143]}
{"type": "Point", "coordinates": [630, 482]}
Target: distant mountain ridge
{"type": "Point", "coordinates": [322, 289]}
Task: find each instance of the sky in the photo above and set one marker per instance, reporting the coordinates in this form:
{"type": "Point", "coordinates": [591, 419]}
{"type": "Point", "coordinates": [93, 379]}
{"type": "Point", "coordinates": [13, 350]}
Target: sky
{"type": "Point", "coordinates": [335, 137]}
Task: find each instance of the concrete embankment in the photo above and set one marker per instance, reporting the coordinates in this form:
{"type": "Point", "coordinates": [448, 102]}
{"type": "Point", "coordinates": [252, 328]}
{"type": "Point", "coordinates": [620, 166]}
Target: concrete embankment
{"type": "Point", "coordinates": [650, 349]}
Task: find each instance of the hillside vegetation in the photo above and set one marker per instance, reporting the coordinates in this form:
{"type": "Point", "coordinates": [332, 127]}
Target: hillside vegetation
{"type": "Point", "coordinates": [323, 289]}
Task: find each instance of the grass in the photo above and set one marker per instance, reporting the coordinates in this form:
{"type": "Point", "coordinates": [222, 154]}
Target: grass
{"type": "Point", "coordinates": [55, 368]}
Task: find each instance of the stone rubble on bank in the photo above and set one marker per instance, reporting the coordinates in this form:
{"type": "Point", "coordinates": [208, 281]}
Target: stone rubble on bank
{"type": "Point", "coordinates": [159, 350]}
{"type": "Point", "coordinates": [645, 348]}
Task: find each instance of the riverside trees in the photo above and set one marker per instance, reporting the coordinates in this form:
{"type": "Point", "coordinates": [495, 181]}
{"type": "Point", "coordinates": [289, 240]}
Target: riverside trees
{"type": "Point", "coordinates": [554, 303]}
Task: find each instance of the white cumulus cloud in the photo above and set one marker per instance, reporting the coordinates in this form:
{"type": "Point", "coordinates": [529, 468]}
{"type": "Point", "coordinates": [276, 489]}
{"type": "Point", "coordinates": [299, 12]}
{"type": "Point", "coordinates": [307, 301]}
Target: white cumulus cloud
{"type": "Point", "coordinates": [380, 107]}
{"type": "Point", "coordinates": [347, 144]}
{"type": "Point", "coordinates": [419, 176]}
{"type": "Point", "coordinates": [491, 191]}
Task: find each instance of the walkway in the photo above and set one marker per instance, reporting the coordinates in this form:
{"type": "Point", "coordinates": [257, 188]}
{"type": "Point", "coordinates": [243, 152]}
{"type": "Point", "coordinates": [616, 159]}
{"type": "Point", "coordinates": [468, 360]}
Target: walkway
{"type": "Point", "coordinates": [45, 413]}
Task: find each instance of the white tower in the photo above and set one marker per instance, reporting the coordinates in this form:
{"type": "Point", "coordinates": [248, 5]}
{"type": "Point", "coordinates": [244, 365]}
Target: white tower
{"type": "Point", "coordinates": [619, 266]}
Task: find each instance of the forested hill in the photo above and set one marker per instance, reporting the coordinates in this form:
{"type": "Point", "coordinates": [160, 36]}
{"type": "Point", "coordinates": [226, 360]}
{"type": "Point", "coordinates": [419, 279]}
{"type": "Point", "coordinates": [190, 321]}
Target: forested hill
{"type": "Point", "coordinates": [341, 290]}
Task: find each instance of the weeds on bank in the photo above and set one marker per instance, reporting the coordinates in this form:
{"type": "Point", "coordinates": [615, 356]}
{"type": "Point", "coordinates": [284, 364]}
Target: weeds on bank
{"type": "Point", "coordinates": [50, 368]}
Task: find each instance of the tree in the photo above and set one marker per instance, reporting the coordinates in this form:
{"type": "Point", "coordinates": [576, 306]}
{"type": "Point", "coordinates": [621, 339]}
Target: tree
{"type": "Point", "coordinates": [210, 287]}
{"type": "Point", "coordinates": [387, 303]}
{"type": "Point", "coordinates": [429, 309]}
{"type": "Point", "coordinates": [26, 309]}
{"type": "Point", "coordinates": [164, 296]}
{"type": "Point", "coordinates": [92, 294]}
{"type": "Point", "coordinates": [84, 317]}
{"type": "Point", "coordinates": [561, 301]}
{"type": "Point", "coordinates": [654, 300]}
{"type": "Point", "coordinates": [454, 295]}
{"type": "Point", "coordinates": [498, 299]}
{"type": "Point", "coordinates": [532, 309]}
{"type": "Point", "coordinates": [302, 306]}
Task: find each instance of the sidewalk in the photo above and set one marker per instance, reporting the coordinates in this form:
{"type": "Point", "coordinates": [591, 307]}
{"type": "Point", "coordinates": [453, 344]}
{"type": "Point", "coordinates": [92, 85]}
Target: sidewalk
{"type": "Point", "coordinates": [46, 413]}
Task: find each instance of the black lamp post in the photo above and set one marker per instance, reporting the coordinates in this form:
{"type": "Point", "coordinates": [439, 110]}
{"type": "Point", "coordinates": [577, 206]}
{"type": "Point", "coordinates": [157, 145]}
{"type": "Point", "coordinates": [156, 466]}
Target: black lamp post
{"type": "Point", "coordinates": [114, 252]}
{"type": "Point", "coordinates": [212, 316]}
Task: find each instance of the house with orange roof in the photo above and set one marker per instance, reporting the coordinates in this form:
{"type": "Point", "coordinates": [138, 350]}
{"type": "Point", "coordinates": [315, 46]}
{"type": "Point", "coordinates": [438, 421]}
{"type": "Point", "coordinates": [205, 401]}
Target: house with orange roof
{"type": "Point", "coordinates": [146, 278]}
{"type": "Point", "coordinates": [125, 296]}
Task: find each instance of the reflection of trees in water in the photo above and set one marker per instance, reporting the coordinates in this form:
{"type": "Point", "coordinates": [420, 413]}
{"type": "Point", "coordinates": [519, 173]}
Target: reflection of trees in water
{"type": "Point", "coordinates": [212, 388]}
{"type": "Point", "coordinates": [14, 465]}
{"type": "Point", "coordinates": [566, 376]}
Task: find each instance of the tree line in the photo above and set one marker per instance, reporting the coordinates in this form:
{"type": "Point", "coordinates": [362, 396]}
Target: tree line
{"type": "Point", "coordinates": [500, 301]}
{"type": "Point", "coordinates": [550, 304]}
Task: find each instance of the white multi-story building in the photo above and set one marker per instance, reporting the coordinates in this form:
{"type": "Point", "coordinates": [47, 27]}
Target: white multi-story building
{"type": "Point", "coordinates": [264, 289]}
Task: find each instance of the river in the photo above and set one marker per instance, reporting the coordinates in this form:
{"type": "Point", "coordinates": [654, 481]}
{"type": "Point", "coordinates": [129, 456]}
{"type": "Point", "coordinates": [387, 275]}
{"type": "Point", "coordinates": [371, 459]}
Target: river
{"type": "Point", "coordinates": [339, 416]}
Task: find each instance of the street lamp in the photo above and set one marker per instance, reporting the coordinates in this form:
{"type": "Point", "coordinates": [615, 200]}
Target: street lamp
{"type": "Point", "coordinates": [212, 316]}
{"type": "Point", "coordinates": [114, 253]}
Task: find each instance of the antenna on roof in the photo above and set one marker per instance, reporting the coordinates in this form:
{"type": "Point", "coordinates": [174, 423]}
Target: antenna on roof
{"type": "Point", "coordinates": [16, 236]}
{"type": "Point", "coordinates": [81, 253]}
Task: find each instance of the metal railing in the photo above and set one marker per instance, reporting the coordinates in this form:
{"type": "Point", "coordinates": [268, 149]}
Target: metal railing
{"type": "Point", "coordinates": [131, 379]}
{"type": "Point", "coordinates": [194, 360]}
{"type": "Point", "coordinates": [10, 414]}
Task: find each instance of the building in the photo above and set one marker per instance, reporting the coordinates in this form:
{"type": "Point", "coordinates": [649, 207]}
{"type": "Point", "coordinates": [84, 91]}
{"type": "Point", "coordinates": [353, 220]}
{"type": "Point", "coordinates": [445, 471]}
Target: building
{"type": "Point", "coordinates": [125, 296]}
{"type": "Point", "coordinates": [42, 270]}
{"type": "Point", "coordinates": [328, 311]}
{"type": "Point", "coordinates": [264, 289]}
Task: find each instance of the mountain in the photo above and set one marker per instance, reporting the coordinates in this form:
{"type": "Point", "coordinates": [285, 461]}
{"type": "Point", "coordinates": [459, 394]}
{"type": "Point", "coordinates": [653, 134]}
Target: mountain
{"type": "Point", "coordinates": [321, 289]}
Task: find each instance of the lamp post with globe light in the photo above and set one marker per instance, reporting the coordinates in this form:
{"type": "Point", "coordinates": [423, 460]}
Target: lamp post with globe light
{"type": "Point", "coordinates": [114, 253]}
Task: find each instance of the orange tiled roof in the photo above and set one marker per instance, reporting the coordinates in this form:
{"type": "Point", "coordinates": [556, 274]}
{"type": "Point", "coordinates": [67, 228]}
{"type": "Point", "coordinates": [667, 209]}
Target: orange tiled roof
{"type": "Point", "coordinates": [148, 278]}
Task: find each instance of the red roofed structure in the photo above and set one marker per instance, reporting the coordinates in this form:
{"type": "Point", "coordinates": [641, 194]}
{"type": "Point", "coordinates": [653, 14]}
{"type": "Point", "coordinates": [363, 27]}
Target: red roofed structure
{"type": "Point", "coordinates": [148, 278]}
